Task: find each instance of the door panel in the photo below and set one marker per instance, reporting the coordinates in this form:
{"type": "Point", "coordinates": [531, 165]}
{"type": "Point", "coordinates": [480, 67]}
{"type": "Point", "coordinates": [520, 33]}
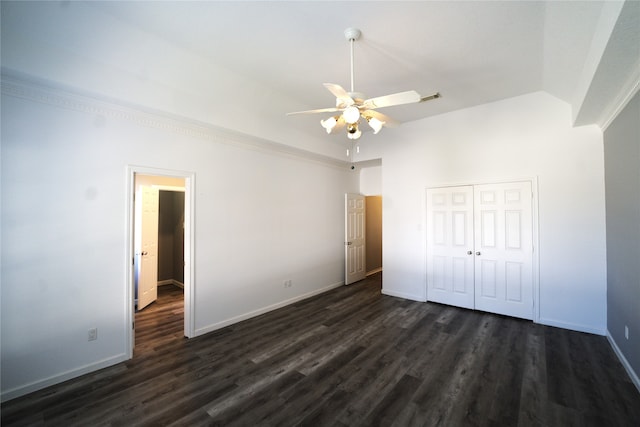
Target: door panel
{"type": "Point", "coordinates": [449, 265]}
{"type": "Point", "coordinates": [504, 249]}
{"type": "Point", "coordinates": [487, 279]}
{"type": "Point", "coordinates": [147, 202]}
{"type": "Point", "coordinates": [355, 239]}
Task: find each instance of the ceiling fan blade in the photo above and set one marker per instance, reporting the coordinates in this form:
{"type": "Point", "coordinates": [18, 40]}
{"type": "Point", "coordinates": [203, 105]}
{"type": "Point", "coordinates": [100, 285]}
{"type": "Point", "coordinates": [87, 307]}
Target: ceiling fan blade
{"type": "Point", "coordinates": [386, 120]}
{"type": "Point", "coordinates": [342, 96]}
{"type": "Point", "coordinates": [408, 97]}
{"type": "Point", "coordinates": [320, 110]}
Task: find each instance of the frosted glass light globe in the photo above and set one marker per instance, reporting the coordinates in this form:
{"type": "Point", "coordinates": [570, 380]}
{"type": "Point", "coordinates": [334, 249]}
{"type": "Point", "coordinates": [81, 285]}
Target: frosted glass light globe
{"type": "Point", "coordinates": [329, 124]}
{"type": "Point", "coordinates": [375, 124]}
{"type": "Point", "coordinates": [351, 114]}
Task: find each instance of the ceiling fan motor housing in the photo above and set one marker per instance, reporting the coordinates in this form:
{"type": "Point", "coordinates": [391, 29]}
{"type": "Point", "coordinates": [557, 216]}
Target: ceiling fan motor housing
{"type": "Point", "coordinates": [352, 34]}
{"type": "Point", "coordinates": [359, 97]}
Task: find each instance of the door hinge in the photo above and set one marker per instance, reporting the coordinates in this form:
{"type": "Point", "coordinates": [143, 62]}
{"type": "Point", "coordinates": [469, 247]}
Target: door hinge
{"type": "Point", "coordinates": [133, 325]}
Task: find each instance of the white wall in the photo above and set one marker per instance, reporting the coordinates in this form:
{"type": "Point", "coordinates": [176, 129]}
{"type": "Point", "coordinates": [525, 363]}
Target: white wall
{"type": "Point", "coordinates": [371, 181]}
{"type": "Point", "coordinates": [622, 164]}
{"type": "Point", "coordinates": [263, 215]}
{"type": "Point", "coordinates": [78, 45]}
{"type": "Point", "coordinates": [524, 137]}
{"type": "Point", "coordinates": [64, 173]}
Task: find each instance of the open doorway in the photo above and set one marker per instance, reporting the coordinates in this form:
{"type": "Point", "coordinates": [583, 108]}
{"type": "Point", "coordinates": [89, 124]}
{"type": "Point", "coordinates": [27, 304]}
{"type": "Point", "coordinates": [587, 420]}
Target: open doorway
{"type": "Point", "coordinates": [374, 234]}
{"type": "Point", "coordinates": [160, 250]}
{"type": "Point", "coordinates": [363, 236]}
{"type": "Point", "coordinates": [371, 188]}
{"type": "Point", "coordinates": [158, 236]}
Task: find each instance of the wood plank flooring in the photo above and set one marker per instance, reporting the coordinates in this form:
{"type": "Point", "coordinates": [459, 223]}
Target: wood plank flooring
{"type": "Point", "coordinates": [349, 357]}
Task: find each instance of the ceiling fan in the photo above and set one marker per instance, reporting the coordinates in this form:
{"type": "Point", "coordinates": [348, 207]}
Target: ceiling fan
{"type": "Point", "coordinates": [353, 106]}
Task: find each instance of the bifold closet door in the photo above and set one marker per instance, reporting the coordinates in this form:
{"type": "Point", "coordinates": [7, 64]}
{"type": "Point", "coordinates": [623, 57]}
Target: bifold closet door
{"type": "Point", "coordinates": [450, 267]}
{"type": "Point", "coordinates": [479, 247]}
{"type": "Point", "coordinates": [504, 249]}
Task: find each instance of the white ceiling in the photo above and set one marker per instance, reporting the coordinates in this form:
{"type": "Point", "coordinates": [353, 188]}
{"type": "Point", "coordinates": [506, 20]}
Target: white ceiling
{"type": "Point", "coordinates": [472, 52]}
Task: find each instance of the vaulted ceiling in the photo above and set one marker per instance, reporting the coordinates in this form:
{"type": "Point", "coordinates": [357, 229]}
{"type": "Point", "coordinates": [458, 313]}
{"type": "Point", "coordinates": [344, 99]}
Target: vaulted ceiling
{"type": "Point", "coordinates": [271, 57]}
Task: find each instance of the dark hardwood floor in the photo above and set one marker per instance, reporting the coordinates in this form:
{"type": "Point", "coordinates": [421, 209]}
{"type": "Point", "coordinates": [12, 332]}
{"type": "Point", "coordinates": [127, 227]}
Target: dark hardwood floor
{"type": "Point", "coordinates": [161, 322]}
{"type": "Point", "coordinates": [349, 357]}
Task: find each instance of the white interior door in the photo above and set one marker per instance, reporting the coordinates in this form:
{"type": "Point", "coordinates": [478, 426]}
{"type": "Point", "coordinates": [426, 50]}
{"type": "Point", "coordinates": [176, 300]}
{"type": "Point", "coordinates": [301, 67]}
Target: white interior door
{"type": "Point", "coordinates": [504, 249]}
{"type": "Point", "coordinates": [355, 239]}
{"type": "Point", "coordinates": [147, 202]}
{"type": "Point", "coordinates": [450, 266]}
{"type": "Point", "coordinates": [480, 247]}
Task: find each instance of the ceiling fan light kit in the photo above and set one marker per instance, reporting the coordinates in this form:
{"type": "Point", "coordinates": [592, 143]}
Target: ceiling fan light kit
{"type": "Point", "coordinates": [351, 114]}
{"type": "Point", "coordinates": [354, 106]}
{"type": "Point", "coordinates": [353, 132]}
{"type": "Point", "coordinates": [330, 123]}
{"type": "Point", "coordinates": [375, 124]}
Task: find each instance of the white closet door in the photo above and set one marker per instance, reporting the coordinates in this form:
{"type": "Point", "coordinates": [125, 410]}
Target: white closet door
{"type": "Point", "coordinates": [480, 247]}
{"type": "Point", "coordinates": [450, 246]}
{"type": "Point", "coordinates": [504, 249]}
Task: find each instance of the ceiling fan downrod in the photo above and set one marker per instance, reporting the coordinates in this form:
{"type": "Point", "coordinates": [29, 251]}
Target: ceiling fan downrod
{"type": "Point", "coordinates": [352, 34]}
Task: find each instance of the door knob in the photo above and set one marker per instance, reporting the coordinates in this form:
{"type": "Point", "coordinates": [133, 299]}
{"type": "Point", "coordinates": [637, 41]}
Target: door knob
{"type": "Point", "coordinates": [469, 252]}
{"type": "Point", "coordinates": [144, 253]}
{"type": "Point", "coordinates": [478, 253]}
{"type": "Point", "coordinates": [349, 243]}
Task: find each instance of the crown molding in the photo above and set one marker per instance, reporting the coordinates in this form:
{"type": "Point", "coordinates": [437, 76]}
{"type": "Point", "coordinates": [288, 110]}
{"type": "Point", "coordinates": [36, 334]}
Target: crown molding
{"type": "Point", "coordinates": [24, 86]}
{"type": "Point", "coordinates": [628, 91]}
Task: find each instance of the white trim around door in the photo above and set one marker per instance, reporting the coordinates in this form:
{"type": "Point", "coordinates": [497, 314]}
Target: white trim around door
{"type": "Point", "coordinates": [189, 246]}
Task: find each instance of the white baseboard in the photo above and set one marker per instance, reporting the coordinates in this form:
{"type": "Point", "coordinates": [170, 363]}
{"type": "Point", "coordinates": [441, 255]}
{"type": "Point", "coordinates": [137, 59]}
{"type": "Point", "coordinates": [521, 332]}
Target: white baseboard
{"type": "Point", "coordinates": [240, 318]}
{"type": "Point", "coordinates": [391, 293]}
{"type": "Point", "coordinates": [59, 378]}
{"type": "Point", "coordinates": [632, 374]}
{"type": "Point", "coordinates": [171, 282]}
{"type": "Point", "coordinates": [374, 271]}
{"type": "Point", "coordinates": [572, 326]}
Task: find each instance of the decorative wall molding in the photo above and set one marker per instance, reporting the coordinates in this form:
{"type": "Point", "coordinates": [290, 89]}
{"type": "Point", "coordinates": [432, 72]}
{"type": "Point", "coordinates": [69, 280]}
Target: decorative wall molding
{"type": "Point", "coordinates": [627, 93]}
{"type": "Point", "coordinates": [23, 86]}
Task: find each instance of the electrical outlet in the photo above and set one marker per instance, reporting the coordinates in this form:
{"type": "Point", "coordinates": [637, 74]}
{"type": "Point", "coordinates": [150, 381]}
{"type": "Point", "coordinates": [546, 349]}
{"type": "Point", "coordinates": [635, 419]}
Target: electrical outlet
{"type": "Point", "coordinates": [288, 283]}
{"type": "Point", "coordinates": [626, 331]}
{"type": "Point", "coordinates": [93, 334]}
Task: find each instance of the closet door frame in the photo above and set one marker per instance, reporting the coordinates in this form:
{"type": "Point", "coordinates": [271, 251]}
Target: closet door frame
{"type": "Point", "coordinates": [535, 234]}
